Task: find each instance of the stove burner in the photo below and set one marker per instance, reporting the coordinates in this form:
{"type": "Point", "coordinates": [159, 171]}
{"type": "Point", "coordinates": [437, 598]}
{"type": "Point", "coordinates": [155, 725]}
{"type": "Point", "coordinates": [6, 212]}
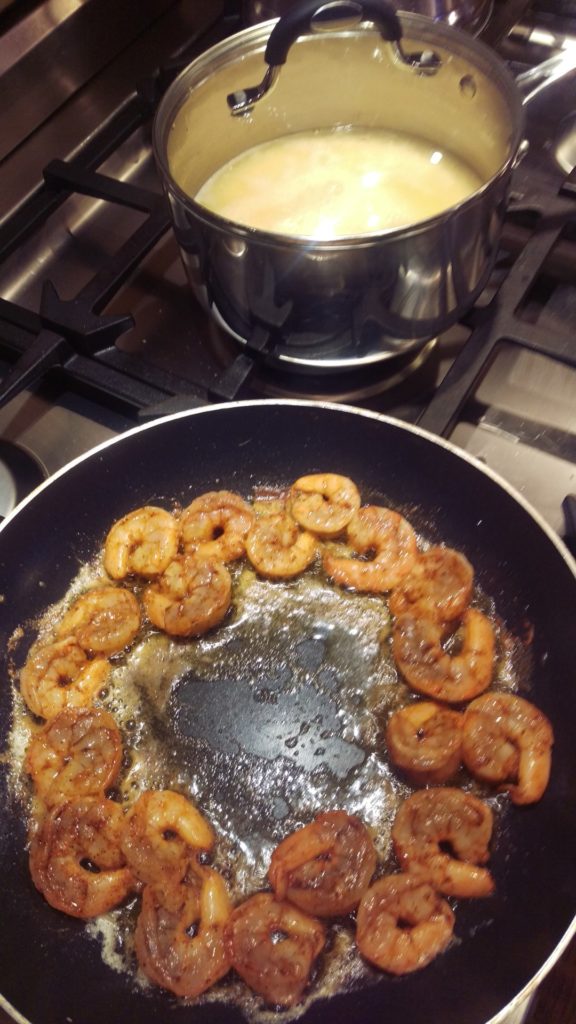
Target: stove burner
{"type": "Point", "coordinates": [334, 355]}
{"type": "Point", "coordinates": [284, 380]}
{"type": "Point", "coordinates": [363, 383]}
{"type": "Point", "coordinates": [20, 473]}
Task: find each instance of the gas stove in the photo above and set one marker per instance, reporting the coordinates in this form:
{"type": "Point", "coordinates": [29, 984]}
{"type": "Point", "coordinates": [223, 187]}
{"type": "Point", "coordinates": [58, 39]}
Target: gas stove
{"type": "Point", "coordinates": [99, 331]}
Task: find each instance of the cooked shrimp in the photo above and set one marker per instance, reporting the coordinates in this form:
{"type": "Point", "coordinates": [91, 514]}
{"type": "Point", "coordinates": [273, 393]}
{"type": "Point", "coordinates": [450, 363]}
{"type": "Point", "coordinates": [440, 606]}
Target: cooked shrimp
{"type": "Point", "coordinates": [429, 669]}
{"type": "Point", "coordinates": [216, 525]}
{"type": "Point", "coordinates": [75, 858]}
{"type": "Point", "coordinates": [273, 947]}
{"type": "Point", "coordinates": [424, 739]}
{"type": "Point", "coordinates": [142, 543]}
{"type": "Point", "coordinates": [191, 596]}
{"type": "Point", "coordinates": [402, 924]}
{"type": "Point", "coordinates": [325, 866]}
{"type": "Point", "coordinates": [61, 675]}
{"type": "Point", "coordinates": [438, 586]}
{"type": "Point", "coordinates": [77, 753]}
{"type": "Point", "coordinates": [509, 741]}
{"type": "Point", "coordinates": [278, 548]}
{"type": "Point", "coordinates": [103, 621]}
{"type": "Point", "coordinates": [180, 935]}
{"type": "Point", "coordinates": [324, 503]}
{"type": "Point", "coordinates": [162, 837]}
{"type": "Point", "coordinates": [390, 541]}
{"type": "Point", "coordinates": [431, 819]}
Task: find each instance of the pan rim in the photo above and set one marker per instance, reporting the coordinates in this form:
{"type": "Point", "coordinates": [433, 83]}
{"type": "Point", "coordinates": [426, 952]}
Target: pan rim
{"type": "Point", "coordinates": [311, 404]}
{"type": "Point", "coordinates": [531, 987]}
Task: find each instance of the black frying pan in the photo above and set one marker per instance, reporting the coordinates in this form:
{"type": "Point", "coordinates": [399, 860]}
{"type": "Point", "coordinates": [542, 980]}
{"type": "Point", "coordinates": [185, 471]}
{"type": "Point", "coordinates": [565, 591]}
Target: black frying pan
{"type": "Point", "coordinates": [50, 970]}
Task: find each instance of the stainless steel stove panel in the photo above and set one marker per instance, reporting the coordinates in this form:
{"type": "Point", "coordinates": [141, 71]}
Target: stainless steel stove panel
{"type": "Point", "coordinates": [526, 428]}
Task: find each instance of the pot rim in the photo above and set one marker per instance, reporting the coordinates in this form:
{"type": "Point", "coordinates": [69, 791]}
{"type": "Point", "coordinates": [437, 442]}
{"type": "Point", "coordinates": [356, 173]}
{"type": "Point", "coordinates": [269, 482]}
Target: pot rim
{"type": "Point", "coordinates": [250, 40]}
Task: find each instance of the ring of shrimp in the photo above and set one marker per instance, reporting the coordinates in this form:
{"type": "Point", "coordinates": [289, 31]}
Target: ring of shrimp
{"type": "Point", "coordinates": [77, 753]}
{"type": "Point", "coordinates": [438, 586]}
{"type": "Point", "coordinates": [431, 819]}
{"type": "Point", "coordinates": [103, 621]}
{"type": "Point", "coordinates": [60, 675]}
{"type": "Point", "coordinates": [324, 867]}
{"type": "Point", "coordinates": [385, 535]}
{"type": "Point", "coordinates": [323, 503]}
{"type": "Point", "coordinates": [142, 543]}
{"type": "Point", "coordinates": [162, 837]}
{"type": "Point", "coordinates": [402, 924]}
{"type": "Point", "coordinates": [180, 934]}
{"type": "Point", "coordinates": [424, 740]}
{"type": "Point", "coordinates": [216, 524]}
{"type": "Point", "coordinates": [75, 858]}
{"type": "Point", "coordinates": [191, 597]}
{"type": "Point", "coordinates": [431, 670]}
{"type": "Point", "coordinates": [273, 946]}
{"type": "Point", "coordinates": [278, 548]}
{"type": "Point", "coordinates": [509, 741]}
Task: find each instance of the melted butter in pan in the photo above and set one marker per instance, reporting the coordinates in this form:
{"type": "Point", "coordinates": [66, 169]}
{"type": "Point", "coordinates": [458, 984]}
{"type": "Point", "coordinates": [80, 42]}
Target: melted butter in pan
{"type": "Point", "coordinates": [276, 715]}
{"type": "Point", "coordinates": [264, 722]}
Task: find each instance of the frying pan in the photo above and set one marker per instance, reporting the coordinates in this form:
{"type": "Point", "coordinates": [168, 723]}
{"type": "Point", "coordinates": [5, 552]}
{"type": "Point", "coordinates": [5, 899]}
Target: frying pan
{"type": "Point", "coordinates": [50, 969]}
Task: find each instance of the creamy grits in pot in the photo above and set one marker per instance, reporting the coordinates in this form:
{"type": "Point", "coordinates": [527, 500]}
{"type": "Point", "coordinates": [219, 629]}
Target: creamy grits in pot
{"type": "Point", "coordinates": [333, 183]}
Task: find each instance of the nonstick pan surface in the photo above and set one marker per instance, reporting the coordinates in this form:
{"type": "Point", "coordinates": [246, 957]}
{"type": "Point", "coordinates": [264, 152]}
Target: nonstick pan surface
{"type": "Point", "coordinates": [51, 970]}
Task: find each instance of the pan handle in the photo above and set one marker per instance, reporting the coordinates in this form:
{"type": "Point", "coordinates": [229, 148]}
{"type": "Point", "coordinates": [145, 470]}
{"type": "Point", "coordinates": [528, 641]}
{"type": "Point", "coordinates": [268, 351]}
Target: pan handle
{"type": "Point", "coordinates": [317, 16]}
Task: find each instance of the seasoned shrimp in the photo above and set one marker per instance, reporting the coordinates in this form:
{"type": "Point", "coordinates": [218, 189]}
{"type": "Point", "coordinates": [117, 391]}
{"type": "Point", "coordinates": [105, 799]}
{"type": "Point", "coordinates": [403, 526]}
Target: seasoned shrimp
{"type": "Point", "coordinates": [431, 820]}
{"type": "Point", "coordinates": [75, 857]}
{"type": "Point", "coordinates": [192, 595]}
{"type": "Point", "coordinates": [390, 541]}
{"type": "Point", "coordinates": [323, 503]}
{"type": "Point", "coordinates": [273, 947]}
{"type": "Point", "coordinates": [162, 837]}
{"type": "Point", "coordinates": [402, 924]}
{"type": "Point", "coordinates": [278, 548]}
{"type": "Point", "coordinates": [142, 543]}
{"type": "Point", "coordinates": [77, 753]}
{"type": "Point", "coordinates": [325, 866]}
{"type": "Point", "coordinates": [438, 586]}
{"type": "Point", "coordinates": [60, 675]}
{"type": "Point", "coordinates": [216, 524]}
{"type": "Point", "coordinates": [509, 741]}
{"type": "Point", "coordinates": [424, 739]}
{"type": "Point", "coordinates": [103, 621]}
{"type": "Point", "coordinates": [180, 934]}
{"type": "Point", "coordinates": [429, 669]}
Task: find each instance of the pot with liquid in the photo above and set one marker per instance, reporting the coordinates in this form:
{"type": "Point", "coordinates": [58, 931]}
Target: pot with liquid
{"type": "Point", "coordinates": [347, 206]}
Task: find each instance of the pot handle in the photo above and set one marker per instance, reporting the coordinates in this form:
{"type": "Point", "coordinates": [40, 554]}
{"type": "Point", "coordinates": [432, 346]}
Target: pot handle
{"type": "Point", "coordinates": [532, 82]}
{"type": "Point", "coordinates": [300, 19]}
{"type": "Point", "coordinates": [322, 15]}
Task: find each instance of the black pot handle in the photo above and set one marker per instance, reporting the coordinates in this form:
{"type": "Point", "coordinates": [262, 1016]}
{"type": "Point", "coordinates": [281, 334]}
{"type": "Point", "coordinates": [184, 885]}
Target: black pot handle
{"type": "Point", "coordinates": [297, 22]}
{"type": "Point", "coordinates": [300, 20]}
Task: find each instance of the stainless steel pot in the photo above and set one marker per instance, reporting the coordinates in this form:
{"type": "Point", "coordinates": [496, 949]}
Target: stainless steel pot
{"type": "Point", "coordinates": [332, 304]}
